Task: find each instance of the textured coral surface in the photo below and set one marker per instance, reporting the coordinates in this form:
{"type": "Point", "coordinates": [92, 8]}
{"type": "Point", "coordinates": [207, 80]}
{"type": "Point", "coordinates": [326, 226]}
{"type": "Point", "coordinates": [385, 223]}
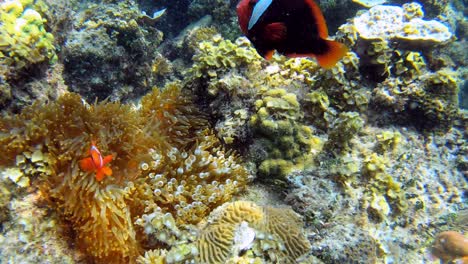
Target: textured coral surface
{"type": "Point", "coordinates": [237, 159]}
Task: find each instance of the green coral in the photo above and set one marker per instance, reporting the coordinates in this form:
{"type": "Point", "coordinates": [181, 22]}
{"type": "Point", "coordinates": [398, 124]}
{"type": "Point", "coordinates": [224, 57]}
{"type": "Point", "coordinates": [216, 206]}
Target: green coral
{"type": "Point", "coordinates": [432, 98]}
{"type": "Point", "coordinates": [23, 37]}
{"type": "Point", "coordinates": [388, 140]}
{"type": "Point", "coordinates": [409, 65]}
{"type": "Point", "coordinates": [382, 186]}
{"type": "Point", "coordinates": [217, 56]}
{"type": "Point", "coordinates": [342, 130]}
{"type": "Point", "coordinates": [288, 143]}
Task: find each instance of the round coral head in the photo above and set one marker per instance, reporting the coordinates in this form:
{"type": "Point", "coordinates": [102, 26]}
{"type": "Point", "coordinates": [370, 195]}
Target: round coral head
{"type": "Point", "coordinates": [450, 246]}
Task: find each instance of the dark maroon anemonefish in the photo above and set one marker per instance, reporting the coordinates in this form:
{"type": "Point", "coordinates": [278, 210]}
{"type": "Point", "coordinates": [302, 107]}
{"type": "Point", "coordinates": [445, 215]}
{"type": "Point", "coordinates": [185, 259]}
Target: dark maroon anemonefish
{"type": "Point", "coordinates": [295, 28]}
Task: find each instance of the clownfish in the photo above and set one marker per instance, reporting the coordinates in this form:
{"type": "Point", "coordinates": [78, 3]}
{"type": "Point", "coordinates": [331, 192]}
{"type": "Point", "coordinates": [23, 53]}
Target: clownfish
{"type": "Point", "coordinates": [96, 163]}
{"type": "Point", "coordinates": [295, 28]}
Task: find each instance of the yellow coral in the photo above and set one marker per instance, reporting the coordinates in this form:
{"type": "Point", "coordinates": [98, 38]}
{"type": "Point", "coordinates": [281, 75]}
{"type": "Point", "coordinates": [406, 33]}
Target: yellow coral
{"type": "Point", "coordinates": [217, 241]}
{"type": "Point", "coordinates": [153, 257]}
{"type": "Point", "coordinates": [23, 38]}
{"type": "Point", "coordinates": [216, 56]}
{"type": "Point", "coordinates": [289, 144]}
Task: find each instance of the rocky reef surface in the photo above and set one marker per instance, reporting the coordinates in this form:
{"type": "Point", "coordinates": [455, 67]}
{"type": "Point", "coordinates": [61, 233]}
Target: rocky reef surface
{"type": "Point", "coordinates": [219, 156]}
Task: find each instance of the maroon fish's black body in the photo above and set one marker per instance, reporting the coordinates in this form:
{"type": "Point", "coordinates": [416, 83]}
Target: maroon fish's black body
{"type": "Point", "coordinates": [295, 28]}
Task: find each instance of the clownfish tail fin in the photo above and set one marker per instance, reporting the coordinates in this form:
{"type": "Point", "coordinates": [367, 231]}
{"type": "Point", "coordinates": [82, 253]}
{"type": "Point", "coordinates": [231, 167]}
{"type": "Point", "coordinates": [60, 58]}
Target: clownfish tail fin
{"type": "Point", "coordinates": [335, 52]}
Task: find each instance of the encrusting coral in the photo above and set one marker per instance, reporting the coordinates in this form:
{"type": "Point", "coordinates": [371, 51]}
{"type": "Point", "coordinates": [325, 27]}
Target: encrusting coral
{"type": "Point", "coordinates": [111, 53]}
{"type": "Point", "coordinates": [162, 151]}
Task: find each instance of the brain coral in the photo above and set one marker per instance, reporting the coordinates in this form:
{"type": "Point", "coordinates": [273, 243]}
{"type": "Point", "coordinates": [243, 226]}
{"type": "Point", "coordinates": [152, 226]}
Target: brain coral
{"type": "Point", "coordinates": [278, 234]}
{"type": "Point", "coordinates": [102, 214]}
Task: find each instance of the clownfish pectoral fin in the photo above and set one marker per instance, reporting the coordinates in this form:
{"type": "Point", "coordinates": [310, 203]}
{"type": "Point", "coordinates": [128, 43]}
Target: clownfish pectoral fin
{"type": "Point", "coordinates": [102, 172]}
{"type": "Point", "coordinates": [268, 54]}
{"type": "Point", "coordinates": [335, 52]}
{"type": "Point", "coordinates": [107, 171]}
{"type": "Point", "coordinates": [107, 159]}
{"type": "Point", "coordinates": [275, 31]}
{"type": "Point", "coordinates": [87, 164]}
{"type": "Point", "coordinates": [100, 175]}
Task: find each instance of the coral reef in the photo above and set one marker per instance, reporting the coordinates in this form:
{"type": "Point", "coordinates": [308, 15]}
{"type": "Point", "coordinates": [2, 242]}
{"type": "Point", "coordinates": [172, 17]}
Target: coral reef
{"type": "Point", "coordinates": [404, 74]}
{"type": "Point", "coordinates": [167, 133]}
{"type": "Point", "coordinates": [371, 153]}
{"type": "Point", "coordinates": [26, 50]}
{"type": "Point", "coordinates": [428, 102]}
{"type": "Point", "coordinates": [243, 229]}
{"type": "Point", "coordinates": [401, 24]}
{"type": "Point", "coordinates": [287, 142]}
{"type": "Point", "coordinates": [223, 13]}
{"type": "Point", "coordinates": [32, 233]}
{"type": "Point", "coordinates": [109, 54]}
{"type": "Point", "coordinates": [223, 69]}
{"type": "Point", "coordinates": [24, 40]}
{"type": "Point", "coordinates": [392, 187]}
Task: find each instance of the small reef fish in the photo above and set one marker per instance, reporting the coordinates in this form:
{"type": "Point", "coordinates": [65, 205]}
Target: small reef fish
{"type": "Point", "coordinates": [450, 247]}
{"type": "Point", "coordinates": [295, 28]}
{"type": "Point", "coordinates": [96, 163]}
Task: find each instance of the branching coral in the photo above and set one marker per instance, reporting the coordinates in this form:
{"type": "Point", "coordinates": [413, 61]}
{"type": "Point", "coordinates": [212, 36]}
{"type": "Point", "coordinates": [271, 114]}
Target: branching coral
{"type": "Point", "coordinates": [167, 129]}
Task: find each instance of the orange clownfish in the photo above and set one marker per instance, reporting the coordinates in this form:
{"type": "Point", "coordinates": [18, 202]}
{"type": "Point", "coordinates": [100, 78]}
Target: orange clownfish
{"type": "Point", "coordinates": [295, 28]}
{"type": "Point", "coordinates": [96, 163]}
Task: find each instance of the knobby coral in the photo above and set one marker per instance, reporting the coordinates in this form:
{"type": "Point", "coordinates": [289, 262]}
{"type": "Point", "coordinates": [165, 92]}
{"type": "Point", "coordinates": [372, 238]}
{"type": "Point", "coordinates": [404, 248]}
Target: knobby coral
{"type": "Point", "coordinates": [163, 152]}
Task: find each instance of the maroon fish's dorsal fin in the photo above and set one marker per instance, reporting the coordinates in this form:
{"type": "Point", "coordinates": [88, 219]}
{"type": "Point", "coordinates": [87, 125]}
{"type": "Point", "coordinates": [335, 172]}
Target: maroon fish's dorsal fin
{"type": "Point", "coordinates": [275, 31]}
{"type": "Point", "coordinates": [319, 19]}
{"type": "Point", "coordinates": [335, 52]}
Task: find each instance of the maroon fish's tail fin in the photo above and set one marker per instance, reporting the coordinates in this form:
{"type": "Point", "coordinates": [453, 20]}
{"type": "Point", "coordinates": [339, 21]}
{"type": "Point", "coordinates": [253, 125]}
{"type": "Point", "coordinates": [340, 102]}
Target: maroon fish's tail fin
{"type": "Point", "coordinates": [335, 52]}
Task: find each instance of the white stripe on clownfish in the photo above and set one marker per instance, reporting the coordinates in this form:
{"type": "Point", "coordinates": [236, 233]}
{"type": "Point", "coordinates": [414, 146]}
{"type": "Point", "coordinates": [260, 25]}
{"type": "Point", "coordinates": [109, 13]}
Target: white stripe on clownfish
{"type": "Point", "coordinates": [260, 7]}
